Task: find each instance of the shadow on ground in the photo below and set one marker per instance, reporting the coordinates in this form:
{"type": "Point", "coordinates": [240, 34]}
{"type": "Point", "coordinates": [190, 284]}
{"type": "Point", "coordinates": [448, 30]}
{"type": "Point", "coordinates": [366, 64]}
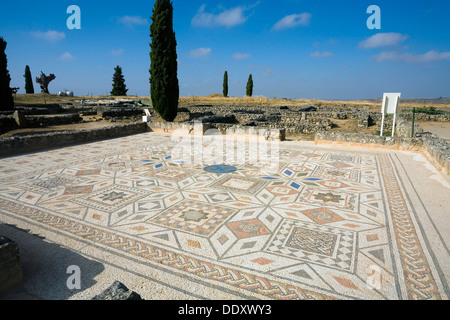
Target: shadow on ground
{"type": "Point", "coordinates": [44, 267]}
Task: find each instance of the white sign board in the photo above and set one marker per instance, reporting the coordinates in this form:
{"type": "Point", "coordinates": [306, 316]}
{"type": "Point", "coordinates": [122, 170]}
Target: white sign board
{"type": "Point", "coordinates": [390, 103]}
{"type": "Point", "coordinates": [147, 117]}
{"type": "Point", "coordinates": [390, 106]}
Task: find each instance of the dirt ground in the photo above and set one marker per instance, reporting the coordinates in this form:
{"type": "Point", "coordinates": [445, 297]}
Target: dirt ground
{"type": "Point", "coordinates": [90, 122]}
{"type": "Point", "coordinates": [441, 129]}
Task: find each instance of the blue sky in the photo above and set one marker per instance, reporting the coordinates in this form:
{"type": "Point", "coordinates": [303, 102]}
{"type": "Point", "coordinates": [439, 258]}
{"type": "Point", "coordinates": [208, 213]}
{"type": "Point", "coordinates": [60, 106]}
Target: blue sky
{"type": "Point", "coordinates": [295, 49]}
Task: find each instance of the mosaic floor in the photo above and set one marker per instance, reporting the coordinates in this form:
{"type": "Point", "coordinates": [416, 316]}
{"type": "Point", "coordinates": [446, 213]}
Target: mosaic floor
{"type": "Point", "coordinates": [326, 224]}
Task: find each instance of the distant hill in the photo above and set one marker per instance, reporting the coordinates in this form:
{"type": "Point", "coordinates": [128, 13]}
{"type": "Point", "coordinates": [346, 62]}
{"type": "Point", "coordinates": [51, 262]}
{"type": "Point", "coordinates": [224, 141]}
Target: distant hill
{"type": "Point", "coordinates": [426, 102]}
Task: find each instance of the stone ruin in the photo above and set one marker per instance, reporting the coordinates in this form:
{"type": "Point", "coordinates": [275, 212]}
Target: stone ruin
{"type": "Point", "coordinates": [318, 122]}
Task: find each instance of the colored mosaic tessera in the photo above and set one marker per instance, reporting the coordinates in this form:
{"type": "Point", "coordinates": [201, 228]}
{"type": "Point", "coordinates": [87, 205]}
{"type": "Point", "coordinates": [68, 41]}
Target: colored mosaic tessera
{"type": "Point", "coordinates": [327, 224]}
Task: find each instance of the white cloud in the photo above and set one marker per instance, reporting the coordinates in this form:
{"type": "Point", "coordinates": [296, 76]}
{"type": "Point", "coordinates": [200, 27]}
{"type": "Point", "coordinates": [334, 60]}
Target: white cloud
{"type": "Point", "coordinates": [267, 73]}
{"type": "Point", "coordinates": [318, 54]}
{"type": "Point", "coordinates": [117, 52]}
{"type": "Point", "coordinates": [430, 56]}
{"type": "Point", "coordinates": [50, 35]}
{"type": "Point", "coordinates": [131, 21]}
{"type": "Point", "coordinates": [227, 18]}
{"type": "Point", "coordinates": [241, 56]}
{"type": "Point", "coordinates": [293, 20]}
{"type": "Point", "coordinates": [382, 40]}
{"type": "Point", "coordinates": [200, 53]}
{"type": "Point", "coordinates": [67, 57]}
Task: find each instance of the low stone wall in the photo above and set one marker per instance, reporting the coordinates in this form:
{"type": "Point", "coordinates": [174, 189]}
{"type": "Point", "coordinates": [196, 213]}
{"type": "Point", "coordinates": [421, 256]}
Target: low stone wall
{"type": "Point", "coordinates": [119, 112]}
{"type": "Point", "coordinates": [40, 109]}
{"type": "Point", "coordinates": [436, 148]}
{"type": "Point", "coordinates": [287, 116]}
{"type": "Point", "coordinates": [268, 134]}
{"type": "Point", "coordinates": [427, 117]}
{"type": "Point", "coordinates": [403, 128]}
{"type": "Point", "coordinates": [290, 127]}
{"type": "Point", "coordinates": [246, 117]}
{"type": "Point", "coordinates": [439, 150]}
{"type": "Point", "coordinates": [10, 266]}
{"type": "Point", "coordinates": [360, 139]}
{"type": "Point", "coordinates": [199, 128]}
{"type": "Point", "coordinates": [7, 123]}
{"type": "Point", "coordinates": [14, 145]}
{"type": "Point", "coordinates": [53, 120]}
{"type": "Point", "coordinates": [183, 116]}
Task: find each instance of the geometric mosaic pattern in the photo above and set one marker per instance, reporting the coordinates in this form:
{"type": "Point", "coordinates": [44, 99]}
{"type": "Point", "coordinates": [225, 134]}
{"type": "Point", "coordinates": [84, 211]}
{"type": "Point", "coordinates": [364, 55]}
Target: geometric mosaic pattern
{"type": "Point", "coordinates": [317, 244]}
{"type": "Point", "coordinates": [310, 230]}
{"type": "Point", "coordinates": [109, 199]}
{"type": "Point", "coordinates": [194, 217]}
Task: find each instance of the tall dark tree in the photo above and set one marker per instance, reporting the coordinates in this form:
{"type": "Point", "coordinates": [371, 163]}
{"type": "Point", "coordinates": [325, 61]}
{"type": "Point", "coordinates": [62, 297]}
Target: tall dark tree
{"type": "Point", "coordinates": [164, 87]}
{"type": "Point", "coordinates": [119, 87]}
{"type": "Point", "coordinates": [6, 97]}
{"type": "Point", "coordinates": [225, 84]}
{"type": "Point", "coordinates": [29, 88]}
{"type": "Point", "coordinates": [249, 88]}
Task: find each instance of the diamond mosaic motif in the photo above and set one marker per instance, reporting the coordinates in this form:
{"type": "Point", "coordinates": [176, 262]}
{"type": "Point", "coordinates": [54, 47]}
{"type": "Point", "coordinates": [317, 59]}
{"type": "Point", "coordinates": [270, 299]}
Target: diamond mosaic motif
{"type": "Point", "coordinates": [110, 199]}
{"type": "Point", "coordinates": [322, 215]}
{"type": "Point", "coordinates": [239, 184]}
{"type": "Point", "coordinates": [194, 217]}
{"type": "Point", "coordinates": [220, 169]}
{"type": "Point", "coordinates": [248, 228]}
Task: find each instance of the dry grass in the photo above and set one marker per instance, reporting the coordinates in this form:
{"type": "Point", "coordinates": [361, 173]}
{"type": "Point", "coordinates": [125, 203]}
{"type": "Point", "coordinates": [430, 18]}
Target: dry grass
{"type": "Point", "coordinates": [264, 101]}
{"type": "Point", "coordinates": [218, 99]}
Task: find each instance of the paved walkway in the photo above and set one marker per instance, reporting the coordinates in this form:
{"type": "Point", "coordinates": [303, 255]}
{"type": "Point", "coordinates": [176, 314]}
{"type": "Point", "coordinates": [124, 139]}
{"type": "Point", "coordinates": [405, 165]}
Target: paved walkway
{"type": "Point", "coordinates": [287, 221]}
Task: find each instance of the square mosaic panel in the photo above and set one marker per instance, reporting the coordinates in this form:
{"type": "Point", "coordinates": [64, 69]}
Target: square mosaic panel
{"type": "Point", "coordinates": [327, 198]}
{"type": "Point", "coordinates": [111, 199]}
{"type": "Point", "coordinates": [50, 183]}
{"type": "Point", "coordinates": [239, 184]}
{"type": "Point", "coordinates": [319, 244]}
{"type": "Point", "coordinates": [339, 171]}
{"type": "Point", "coordinates": [194, 217]}
{"type": "Point", "coordinates": [175, 174]}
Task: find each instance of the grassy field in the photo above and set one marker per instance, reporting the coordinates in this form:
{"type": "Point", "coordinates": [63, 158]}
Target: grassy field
{"type": "Point", "coordinates": [216, 99]}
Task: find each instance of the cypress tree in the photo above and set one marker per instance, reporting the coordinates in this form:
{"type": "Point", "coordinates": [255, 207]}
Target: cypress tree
{"type": "Point", "coordinates": [119, 87]}
{"type": "Point", "coordinates": [29, 89]}
{"type": "Point", "coordinates": [225, 84]}
{"type": "Point", "coordinates": [250, 86]}
{"type": "Point", "coordinates": [164, 87]}
{"type": "Point", "coordinates": [6, 97]}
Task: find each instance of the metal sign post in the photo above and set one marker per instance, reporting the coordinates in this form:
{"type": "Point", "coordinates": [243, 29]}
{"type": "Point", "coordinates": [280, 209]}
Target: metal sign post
{"type": "Point", "coordinates": [390, 106]}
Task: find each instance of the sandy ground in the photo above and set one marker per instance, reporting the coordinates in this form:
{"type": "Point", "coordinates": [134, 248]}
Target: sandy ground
{"type": "Point", "coordinates": [90, 123]}
{"type": "Point", "coordinates": [441, 129]}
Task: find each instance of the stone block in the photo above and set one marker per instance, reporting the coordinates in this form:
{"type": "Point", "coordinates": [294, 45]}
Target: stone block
{"type": "Point", "coordinates": [117, 291]}
{"type": "Point", "coordinates": [10, 266]}
{"type": "Point", "coordinates": [20, 119]}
